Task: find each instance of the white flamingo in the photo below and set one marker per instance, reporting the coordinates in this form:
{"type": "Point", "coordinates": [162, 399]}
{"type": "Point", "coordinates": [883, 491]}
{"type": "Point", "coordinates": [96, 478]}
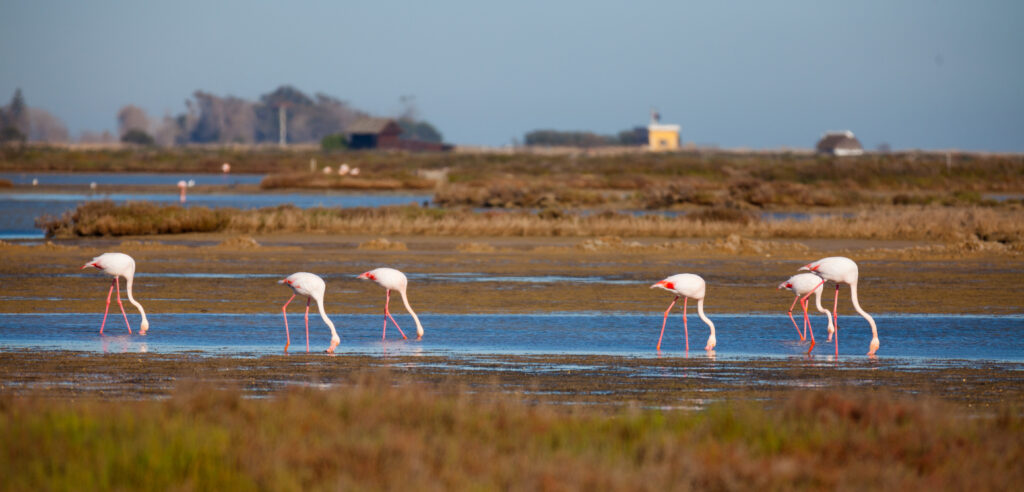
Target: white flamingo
{"type": "Point", "coordinates": [688, 286]}
{"type": "Point", "coordinates": [803, 284]}
{"type": "Point", "coordinates": [842, 270]}
{"type": "Point", "coordinates": [119, 265]}
{"type": "Point", "coordinates": [392, 279]}
{"type": "Point", "coordinates": [313, 287]}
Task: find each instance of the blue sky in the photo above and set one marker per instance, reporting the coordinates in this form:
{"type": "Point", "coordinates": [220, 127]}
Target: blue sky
{"type": "Point", "coordinates": [913, 74]}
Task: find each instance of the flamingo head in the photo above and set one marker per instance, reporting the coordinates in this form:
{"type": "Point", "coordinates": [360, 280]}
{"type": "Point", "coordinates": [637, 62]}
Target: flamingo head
{"type": "Point", "coordinates": [664, 284]}
{"type": "Point", "coordinates": [367, 276]}
{"type": "Point", "coordinates": [90, 264]}
{"type": "Point", "coordinates": [785, 285]}
{"type": "Point", "coordinates": [285, 282]}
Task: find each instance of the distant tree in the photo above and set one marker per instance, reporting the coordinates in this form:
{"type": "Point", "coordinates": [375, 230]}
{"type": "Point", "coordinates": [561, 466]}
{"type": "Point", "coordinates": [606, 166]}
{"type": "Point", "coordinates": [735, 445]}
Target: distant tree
{"type": "Point", "coordinates": [636, 136]}
{"type": "Point", "coordinates": [884, 148]}
{"type": "Point", "coordinates": [137, 137]}
{"type": "Point", "coordinates": [553, 138]}
{"type": "Point", "coordinates": [337, 141]}
{"type": "Point", "coordinates": [132, 117]}
{"type": "Point", "coordinates": [46, 127]}
{"type": "Point", "coordinates": [11, 134]}
{"type": "Point", "coordinates": [419, 130]}
{"type": "Point", "coordinates": [227, 119]}
{"type": "Point", "coordinates": [17, 113]}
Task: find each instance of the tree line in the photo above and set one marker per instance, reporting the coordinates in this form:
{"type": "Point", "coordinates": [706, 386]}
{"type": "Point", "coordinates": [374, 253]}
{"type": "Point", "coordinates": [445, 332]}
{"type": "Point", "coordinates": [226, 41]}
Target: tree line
{"type": "Point", "coordinates": [557, 138]}
{"type": "Point", "coordinates": [209, 118]}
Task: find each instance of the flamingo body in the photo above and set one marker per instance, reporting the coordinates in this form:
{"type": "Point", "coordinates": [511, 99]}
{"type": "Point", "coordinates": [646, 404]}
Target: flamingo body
{"type": "Point", "coordinates": [392, 279]}
{"type": "Point", "coordinates": [312, 287]}
{"type": "Point", "coordinates": [119, 265]}
{"type": "Point", "coordinates": [803, 284]}
{"type": "Point", "coordinates": [688, 286]}
{"type": "Point", "coordinates": [842, 270]}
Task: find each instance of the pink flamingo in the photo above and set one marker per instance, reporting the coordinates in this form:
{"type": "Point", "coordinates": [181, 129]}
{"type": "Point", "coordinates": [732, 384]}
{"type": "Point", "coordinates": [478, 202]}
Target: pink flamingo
{"type": "Point", "coordinates": [313, 287]}
{"type": "Point", "coordinates": [392, 279]}
{"type": "Point", "coordinates": [688, 286]}
{"type": "Point", "coordinates": [802, 284]}
{"type": "Point", "coordinates": [119, 265]}
{"type": "Point", "coordinates": [842, 270]}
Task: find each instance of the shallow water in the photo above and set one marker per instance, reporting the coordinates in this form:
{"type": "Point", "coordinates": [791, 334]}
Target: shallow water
{"type": "Point", "coordinates": [18, 211]}
{"type": "Point", "coordinates": [922, 338]}
{"type": "Point", "coordinates": [130, 179]}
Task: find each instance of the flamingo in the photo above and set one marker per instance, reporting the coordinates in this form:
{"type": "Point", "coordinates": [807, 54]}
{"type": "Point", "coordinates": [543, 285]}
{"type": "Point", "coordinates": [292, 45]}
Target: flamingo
{"type": "Point", "coordinates": [802, 284]}
{"type": "Point", "coordinates": [392, 279]}
{"type": "Point", "coordinates": [842, 270]}
{"type": "Point", "coordinates": [119, 265]}
{"type": "Point", "coordinates": [313, 287]}
{"type": "Point", "coordinates": [688, 286]}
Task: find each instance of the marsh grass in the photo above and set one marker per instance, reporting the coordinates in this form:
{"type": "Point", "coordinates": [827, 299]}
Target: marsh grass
{"type": "Point", "coordinates": [1003, 227]}
{"type": "Point", "coordinates": [382, 432]}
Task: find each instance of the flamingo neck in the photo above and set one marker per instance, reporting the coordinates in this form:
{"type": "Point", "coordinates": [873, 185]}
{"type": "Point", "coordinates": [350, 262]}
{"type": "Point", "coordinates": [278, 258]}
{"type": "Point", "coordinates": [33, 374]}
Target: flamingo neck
{"type": "Point", "coordinates": [129, 280]}
{"type": "Point", "coordinates": [700, 312]}
{"type": "Point", "coordinates": [856, 307]}
{"type": "Point", "coordinates": [323, 315]}
{"type": "Point", "coordinates": [821, 309]}
{"type": "Point", "coordinates": [405, 300]}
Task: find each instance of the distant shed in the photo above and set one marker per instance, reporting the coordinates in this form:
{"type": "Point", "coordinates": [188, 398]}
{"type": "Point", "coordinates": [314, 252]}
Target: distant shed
{"type": "Point", "coordinates": [373, 133]}
{"type": "Point", "coordinates": [840, 144]}
{"type": "Point", "coordinates": [385, 133]}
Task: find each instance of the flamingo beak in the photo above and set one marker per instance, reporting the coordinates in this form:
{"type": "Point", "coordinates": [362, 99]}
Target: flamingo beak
{"type": "Point", "coordinates": [364, 276]}
{"type": "Point", "coordinates": [285, 282]}
{"type": "Point", "coordinates": [87, 265]}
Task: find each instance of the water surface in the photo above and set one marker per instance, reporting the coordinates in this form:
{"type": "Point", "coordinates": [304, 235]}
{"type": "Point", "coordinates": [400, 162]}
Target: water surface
{"type": "Point", "coordinates": [921, 338]}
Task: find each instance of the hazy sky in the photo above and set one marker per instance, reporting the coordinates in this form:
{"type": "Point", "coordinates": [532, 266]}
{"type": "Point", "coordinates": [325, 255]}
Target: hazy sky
{"type": "Point", "coordinates": [758, 74]}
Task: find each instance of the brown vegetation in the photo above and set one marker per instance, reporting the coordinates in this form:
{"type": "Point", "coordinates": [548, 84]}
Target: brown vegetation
{"type": "Point", "coordinates": [381, 433]}
{"type": "Point", "coordinates": [1001, 226]}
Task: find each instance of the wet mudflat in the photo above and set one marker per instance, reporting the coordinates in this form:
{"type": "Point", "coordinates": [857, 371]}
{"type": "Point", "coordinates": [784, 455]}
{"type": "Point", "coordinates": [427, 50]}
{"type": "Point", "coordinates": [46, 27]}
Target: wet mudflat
{"type": "Point", "coordinates": [669, 382]}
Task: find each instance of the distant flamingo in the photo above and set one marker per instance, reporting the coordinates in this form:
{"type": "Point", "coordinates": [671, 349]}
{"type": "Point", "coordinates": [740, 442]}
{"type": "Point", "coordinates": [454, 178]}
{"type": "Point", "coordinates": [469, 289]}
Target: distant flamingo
{"type": "Point", "coordinates": [313, 287]}
{"type": "Point", "coordinates": [842, 270]}
{"type": "Point", "coordinates": [802, 284]}
{"type": "Point", "coordinates": [392, 279]}
{"type": "Point", "coordinates": [687, 286]}
{"type": "Point", "coordinates": [119, 265]}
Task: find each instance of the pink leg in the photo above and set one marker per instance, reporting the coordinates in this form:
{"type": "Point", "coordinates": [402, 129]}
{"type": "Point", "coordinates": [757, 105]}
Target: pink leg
{"type": "Point", "coordinates": [307, 325]}
{"type": "Point", "coordinates": [797, 298]}
{"type": "Point", "coordinates": [387, 315]}
{"type": "Point", "coordinates": [107, 310]}
{"type": "Point", "coordinates": [804, 298]}
{"type": "Point", "coordinates": [387, 300]}
{"type": "Point", "coordinates": [121, 305]}
{"type": "Point", "coordinates": [287, 335]}
{"type": "Point", "coordinates": [807, 326]}
{"type": "Point", "coordinates": [686, 329]}
{"type": "Point", "coordinates": [835, 314]}
{"type": "Point", "coordinates": [663, 321]}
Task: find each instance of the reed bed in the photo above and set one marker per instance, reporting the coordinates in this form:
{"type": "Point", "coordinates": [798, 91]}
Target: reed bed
{"type": "Point", "coordinates": [379, 433]}
{"type": "Point", "coordinates": [1000, 226]}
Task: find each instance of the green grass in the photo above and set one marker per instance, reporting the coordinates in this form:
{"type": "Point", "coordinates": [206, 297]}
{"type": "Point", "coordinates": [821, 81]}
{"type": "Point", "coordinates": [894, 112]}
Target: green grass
{"type": "Point", "coordinates": [381, 433]}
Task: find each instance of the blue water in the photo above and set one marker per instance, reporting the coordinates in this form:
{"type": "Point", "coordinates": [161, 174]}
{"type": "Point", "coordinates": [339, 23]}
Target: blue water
{"type": "Point", "coordinates": [920, 338]}
{"type": "Point", "coordinates": [136, 179]}
{"type": "Point", "coordinates": [18, 211]}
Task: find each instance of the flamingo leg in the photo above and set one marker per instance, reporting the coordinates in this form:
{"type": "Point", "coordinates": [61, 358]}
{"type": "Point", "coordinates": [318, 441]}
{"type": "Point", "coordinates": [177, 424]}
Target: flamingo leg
{"type": "Point", "coordinates": [107, 310]}
{"type": "Point", "coordinates": [807, 326]}
{"type": "Point", "coordinates": [686, 329]}
{"type": "Point", "coordinates": [835, 315]}
{"type": "Point", "coordinates": [797, 298]}
{"type": "Point", "coordinates": [307, 325]}
{"type": "Point", "coordinates": [387, 315]}
{"type": "Point", "coordinates": [664, 320]}
{"type": "Point", "coordinates": [121, 305]}
{"type": "Point", "coordinates": [287, 335]}
{"type": "Point", "coordinates": [387, 300]}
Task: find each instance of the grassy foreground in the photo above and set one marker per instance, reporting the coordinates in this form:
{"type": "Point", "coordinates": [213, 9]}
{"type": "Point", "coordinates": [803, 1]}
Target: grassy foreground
{"type": "Point", "coordinates": [382, 433]}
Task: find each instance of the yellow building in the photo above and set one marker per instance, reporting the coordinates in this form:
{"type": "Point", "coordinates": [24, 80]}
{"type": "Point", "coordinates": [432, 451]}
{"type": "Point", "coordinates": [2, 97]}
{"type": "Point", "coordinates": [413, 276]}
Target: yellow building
{"type": "Point", "coordinates": [661, 136]}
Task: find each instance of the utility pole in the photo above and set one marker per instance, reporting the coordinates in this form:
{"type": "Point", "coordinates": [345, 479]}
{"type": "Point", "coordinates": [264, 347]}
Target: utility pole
{"type": "Point", "coordinates": [282, 122]}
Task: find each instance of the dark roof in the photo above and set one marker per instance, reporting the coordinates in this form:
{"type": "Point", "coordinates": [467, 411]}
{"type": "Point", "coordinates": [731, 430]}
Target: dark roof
{"type": "Point", "coordinates": [373, 125]}
{"type": "Point", "coordinates": [838, 140]}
